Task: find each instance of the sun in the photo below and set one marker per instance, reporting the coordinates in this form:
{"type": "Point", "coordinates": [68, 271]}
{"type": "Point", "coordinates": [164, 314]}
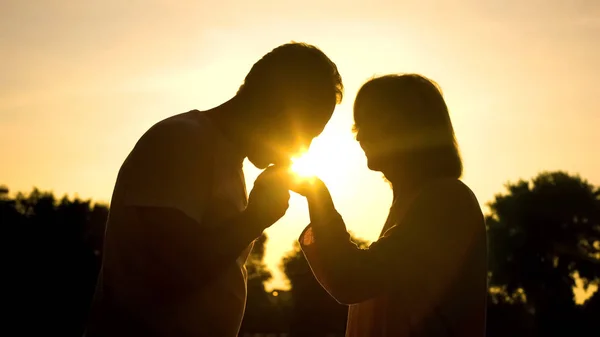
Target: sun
{"type": "Point", "coordinates": [304, 166]}
{"type": "Point", "coordinates": [333, 158]}
{"type": "Point", "coordinates": [324, 161]}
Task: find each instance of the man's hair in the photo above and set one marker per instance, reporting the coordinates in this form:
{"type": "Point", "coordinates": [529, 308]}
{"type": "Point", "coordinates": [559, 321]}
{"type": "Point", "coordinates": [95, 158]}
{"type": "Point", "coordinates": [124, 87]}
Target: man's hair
{"type": "Point", "coordinates": [294, 68]}
{"type": "Point", "coordinates": [412, 107]}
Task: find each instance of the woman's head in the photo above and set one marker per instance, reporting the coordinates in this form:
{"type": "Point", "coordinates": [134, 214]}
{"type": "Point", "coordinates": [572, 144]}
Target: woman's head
{"type": "Point", "coordinates": [402, 124]}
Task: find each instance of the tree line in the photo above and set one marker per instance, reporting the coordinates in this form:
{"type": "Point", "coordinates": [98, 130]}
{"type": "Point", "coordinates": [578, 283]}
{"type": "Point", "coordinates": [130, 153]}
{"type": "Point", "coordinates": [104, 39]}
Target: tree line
{"type": "Point", "coordinates": [543, 235]}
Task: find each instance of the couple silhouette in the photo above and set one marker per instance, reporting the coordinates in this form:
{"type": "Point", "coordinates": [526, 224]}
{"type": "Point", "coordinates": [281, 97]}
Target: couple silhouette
{"type": "Point", "coordinates": [181, 223]}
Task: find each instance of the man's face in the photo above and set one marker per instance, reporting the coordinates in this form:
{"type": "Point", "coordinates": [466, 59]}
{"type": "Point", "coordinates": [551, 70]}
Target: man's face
{"type": "Point", "coordinates": [286, 134]}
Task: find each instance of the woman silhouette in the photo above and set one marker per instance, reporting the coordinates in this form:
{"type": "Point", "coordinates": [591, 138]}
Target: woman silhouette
{"type": "Point", "coordinates": [427, 273]}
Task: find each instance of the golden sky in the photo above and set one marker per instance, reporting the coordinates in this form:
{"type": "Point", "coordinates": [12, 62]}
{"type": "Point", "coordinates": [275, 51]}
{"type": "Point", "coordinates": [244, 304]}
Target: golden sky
{"type": "Point", "coordinates": [81, 81]}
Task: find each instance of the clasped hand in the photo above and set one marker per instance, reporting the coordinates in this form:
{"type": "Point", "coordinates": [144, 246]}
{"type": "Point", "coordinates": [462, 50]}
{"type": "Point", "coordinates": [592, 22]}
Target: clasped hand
{"type": "Point", "coordinates": [269, 199]}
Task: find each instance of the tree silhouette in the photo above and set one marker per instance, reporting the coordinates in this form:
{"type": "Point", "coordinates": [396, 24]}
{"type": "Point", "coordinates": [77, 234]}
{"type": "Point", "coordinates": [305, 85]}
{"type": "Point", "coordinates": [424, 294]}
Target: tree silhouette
{"type": "Point", "coordinates": [258, 272]}
{"type": "Point", "coordinates": [262, 313]}
{"type": "Point", "coordinates": [54, 265]}
{"type": "Point", "coordinates": [9, 216]}
{"type": "Point", "coordinates": [314, 312]}
{"type": "Point", "coordinates": [541, 235]}
{"type": "Point", "coordinates": [508, 316]}
{"type": "Point", "coordinates": [3, 192]}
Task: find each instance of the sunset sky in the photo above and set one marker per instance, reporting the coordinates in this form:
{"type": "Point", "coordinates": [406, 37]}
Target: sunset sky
{"type": "Point", "coordinates": [80, 81]}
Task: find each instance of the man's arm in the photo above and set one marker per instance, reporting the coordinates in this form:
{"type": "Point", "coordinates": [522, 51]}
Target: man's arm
{"type": "Point", "coordinates": [184, 252]}
{"type": "Point", "coordinates": [418, 257]}
{"type": "Point", "coordinates": [168, 178]}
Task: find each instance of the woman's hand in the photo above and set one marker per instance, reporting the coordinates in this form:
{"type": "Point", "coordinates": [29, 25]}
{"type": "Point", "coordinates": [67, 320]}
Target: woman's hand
{"type": "Point", "coordinates": [320, 203]}
{"type": "Point", "coordinates": [309, 187]}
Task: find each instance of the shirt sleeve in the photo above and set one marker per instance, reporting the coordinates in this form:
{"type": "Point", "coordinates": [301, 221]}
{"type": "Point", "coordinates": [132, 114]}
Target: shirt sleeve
{"type": "Point", "coordinates": [169, 167]}
{"type": "Point", "coordinates": [418, 257]}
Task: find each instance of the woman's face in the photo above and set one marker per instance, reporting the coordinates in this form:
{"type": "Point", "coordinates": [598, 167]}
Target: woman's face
{"type": "Point", "coordinates": [379, 145]}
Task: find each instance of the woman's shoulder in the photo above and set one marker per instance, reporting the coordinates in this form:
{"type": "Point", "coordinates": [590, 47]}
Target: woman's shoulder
{"type": "Point", "coordinates": [447, 194]}
{"type": "Point", "coordinates": [447, 187]}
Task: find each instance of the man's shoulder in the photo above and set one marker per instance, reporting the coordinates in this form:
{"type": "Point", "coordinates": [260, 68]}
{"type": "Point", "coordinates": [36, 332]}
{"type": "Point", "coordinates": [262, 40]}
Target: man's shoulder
{"type": "Point", "coordinates": [189, 129]}
{"type": "Point", "coordinates": [174, 138]}
{"type": "Point", "coordinates": [188, 124]}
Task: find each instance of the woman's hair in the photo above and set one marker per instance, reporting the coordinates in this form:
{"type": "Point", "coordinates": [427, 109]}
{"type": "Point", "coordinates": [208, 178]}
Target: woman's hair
{"type": "Point", "coordinates": [409, 111]}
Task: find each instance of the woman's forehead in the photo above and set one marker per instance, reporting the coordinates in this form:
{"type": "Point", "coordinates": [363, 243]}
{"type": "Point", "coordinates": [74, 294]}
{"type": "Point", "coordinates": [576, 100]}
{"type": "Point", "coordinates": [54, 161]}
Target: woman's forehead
{"type": "Point", "coordinates": [374, 114]}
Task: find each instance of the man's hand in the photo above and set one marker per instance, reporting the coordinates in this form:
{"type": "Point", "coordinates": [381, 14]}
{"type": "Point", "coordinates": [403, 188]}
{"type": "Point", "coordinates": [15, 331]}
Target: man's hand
{"type": "Point", "coordinates": [269, 199]}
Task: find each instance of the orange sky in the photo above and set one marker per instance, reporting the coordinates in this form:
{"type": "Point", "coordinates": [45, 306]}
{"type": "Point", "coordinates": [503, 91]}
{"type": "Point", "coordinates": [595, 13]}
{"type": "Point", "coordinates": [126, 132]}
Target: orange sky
{"type": "Point", "coordinates": [80, 82]}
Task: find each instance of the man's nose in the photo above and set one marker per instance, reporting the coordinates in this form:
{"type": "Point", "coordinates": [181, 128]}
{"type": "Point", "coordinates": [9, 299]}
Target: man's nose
{"type": "Point", "coordinates": [359, 136]}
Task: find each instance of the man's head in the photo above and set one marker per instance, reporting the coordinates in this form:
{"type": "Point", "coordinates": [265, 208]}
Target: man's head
{"type": "Point", "coordinates": [288, 96]}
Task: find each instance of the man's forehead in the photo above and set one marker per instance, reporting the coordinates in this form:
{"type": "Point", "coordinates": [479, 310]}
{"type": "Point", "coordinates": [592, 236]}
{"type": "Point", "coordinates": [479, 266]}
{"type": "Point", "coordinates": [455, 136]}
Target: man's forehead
{"type": "Point", "coordinates": [313, 124]}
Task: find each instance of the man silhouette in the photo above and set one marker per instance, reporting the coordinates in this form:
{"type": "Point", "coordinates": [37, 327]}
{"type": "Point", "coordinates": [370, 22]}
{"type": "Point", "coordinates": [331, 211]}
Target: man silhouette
{"type": "Point", "coordinates": [181, 224]}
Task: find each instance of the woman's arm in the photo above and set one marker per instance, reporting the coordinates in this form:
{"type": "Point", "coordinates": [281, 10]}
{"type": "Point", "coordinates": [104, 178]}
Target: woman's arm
{"type": "Point", "coordinates": [419, 256]}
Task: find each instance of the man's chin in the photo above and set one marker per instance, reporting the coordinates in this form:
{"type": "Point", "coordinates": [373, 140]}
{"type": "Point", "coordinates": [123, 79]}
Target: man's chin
{"type": "Point", "coordinates": [373, 165]}
{"type": "Point", "coordinates": [263, 163]}
{"type": "Point", "coordinates": [259, 164]}
{"type": "Point", "coordinates": [282, 162]}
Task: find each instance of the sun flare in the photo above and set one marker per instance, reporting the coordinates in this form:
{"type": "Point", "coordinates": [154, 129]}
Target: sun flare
{"type": "Point", "coordinates": [333, 158]}
{"type": "Point", "coordinates": [328, 159]}
{"type": "Point", "coordinates": [304, 166]}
